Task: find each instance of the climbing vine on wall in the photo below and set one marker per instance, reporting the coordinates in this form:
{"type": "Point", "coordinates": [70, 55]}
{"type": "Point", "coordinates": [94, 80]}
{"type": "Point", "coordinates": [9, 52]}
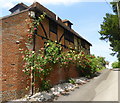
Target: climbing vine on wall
{"type": "Point", "coordinates": [41, 63]}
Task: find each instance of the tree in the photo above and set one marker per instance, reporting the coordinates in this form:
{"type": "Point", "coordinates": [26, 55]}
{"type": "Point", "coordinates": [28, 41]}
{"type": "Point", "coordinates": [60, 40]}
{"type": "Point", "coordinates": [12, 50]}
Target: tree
{"type": "Point", "coordinates": [115, 65]}
{"type": "Point", "coordinates": [110, 32]}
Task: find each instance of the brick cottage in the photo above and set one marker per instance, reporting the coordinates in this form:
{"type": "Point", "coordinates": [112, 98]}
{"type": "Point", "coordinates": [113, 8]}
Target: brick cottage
{"type": "Point", "coordinates": [13, 36]}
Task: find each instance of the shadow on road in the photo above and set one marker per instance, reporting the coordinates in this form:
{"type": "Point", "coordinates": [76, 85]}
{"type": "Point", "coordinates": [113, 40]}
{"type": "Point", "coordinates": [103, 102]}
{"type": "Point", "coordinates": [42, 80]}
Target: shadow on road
{"type": "Point", "coordinates": [97, 74]}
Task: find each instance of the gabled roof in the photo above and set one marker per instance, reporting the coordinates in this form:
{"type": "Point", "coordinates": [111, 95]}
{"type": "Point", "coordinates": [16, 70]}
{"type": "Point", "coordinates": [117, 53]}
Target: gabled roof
{"type": "Point", "coordinates": [19, 5]}
{"type": "Point", "coordinates": [38, 7]}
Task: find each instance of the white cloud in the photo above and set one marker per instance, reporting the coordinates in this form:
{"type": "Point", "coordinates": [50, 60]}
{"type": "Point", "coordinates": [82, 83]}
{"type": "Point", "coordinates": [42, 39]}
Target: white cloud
{"type": "Point", "coordinates": [65, 2]}
{"type": "Point", "coordinates": [9, 3]}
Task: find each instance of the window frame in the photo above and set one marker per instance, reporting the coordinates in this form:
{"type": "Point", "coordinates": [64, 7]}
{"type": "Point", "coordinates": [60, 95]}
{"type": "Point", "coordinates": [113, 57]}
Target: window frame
{"type": "Point", "coordinates": [53, 27]}
{"type": "Point", "coordinates": [69, 36]}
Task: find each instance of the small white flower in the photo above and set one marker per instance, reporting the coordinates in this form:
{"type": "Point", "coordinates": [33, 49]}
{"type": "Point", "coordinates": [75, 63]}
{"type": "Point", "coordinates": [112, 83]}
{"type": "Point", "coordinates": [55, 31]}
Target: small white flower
{"type": "Point", "coordinates": [23, 70]}
{"type": "Point", "coordinates": [33, 51]}
{"type": "Point", "coordinates": [32, 68]}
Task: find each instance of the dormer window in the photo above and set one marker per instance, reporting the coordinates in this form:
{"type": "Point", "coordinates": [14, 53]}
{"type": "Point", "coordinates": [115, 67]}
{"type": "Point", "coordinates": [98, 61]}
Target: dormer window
{"type": "Point", "coordinates": [17, 8]}
{"type": "Point", "coordinates": [67, 23]}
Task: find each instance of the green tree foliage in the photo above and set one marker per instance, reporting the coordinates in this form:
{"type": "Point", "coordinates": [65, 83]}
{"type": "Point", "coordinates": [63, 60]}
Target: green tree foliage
{"type": "Point", "coordinates": [116, 64]}
{"type": "Point", "coordinates": [110, 32]}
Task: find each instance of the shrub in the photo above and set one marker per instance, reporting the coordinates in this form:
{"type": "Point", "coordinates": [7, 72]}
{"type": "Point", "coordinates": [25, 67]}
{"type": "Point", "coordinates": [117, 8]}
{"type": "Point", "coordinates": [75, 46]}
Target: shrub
{"type": "Point", "coordinates": [116, 64]}
{"type": "Point", "coordinates": [72, 81]}
{"type": "Point", "coordinates": [42, 62]}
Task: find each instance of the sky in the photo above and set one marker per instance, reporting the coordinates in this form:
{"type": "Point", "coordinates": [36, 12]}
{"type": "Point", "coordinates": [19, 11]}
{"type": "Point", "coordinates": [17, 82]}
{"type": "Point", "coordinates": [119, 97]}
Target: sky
{"type": "Point", "coordinates": [86, 16]}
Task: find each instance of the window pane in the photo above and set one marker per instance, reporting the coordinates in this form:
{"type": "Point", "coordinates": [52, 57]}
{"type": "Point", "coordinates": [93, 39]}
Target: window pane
{"type": "Point", "coordinates": [69, 36]}
{"type": "Point", "coordinates": [53, 27]}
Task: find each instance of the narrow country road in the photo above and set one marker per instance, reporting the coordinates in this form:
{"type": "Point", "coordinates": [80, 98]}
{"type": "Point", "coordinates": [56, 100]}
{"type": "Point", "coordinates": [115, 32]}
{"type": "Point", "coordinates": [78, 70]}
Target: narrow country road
{"type": "Point", "coordinates": [101, 88]}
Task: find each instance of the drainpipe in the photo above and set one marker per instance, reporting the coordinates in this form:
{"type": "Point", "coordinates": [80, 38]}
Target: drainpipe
{"type": "Point", "coordinates": [33, 72]}
{"type": "Point", "coordinates": [32, 88]}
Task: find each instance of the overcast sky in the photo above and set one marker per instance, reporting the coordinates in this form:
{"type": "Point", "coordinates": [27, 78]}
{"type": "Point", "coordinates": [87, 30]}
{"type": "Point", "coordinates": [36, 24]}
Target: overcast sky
{"type": "Point", "coordinates": [86, 18]}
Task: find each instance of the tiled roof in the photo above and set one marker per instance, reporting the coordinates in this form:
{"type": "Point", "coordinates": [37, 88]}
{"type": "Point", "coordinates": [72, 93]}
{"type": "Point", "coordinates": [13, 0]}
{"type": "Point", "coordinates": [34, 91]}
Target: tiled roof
{"type": "Point", "coordinates": [40, 8]}
{"type": "Point", "coordinates": [52, 16]}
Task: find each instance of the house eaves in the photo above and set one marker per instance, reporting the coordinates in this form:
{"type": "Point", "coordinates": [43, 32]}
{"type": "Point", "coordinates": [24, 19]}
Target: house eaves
{"type": "Point", "coordinates": [49, 14]}
{"type": "Point", "coordinates": [39, 8]}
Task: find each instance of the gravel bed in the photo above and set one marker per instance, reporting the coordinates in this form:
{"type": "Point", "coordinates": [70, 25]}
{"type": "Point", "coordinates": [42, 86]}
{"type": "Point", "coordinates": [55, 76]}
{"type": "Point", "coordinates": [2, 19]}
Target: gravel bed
{"type": "Point", "coordinates": [56, 91]}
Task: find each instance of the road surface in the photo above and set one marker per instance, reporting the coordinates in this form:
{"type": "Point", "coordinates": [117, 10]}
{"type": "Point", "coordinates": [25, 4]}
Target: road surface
{"type": "Point", "coordinates": [101, 88]}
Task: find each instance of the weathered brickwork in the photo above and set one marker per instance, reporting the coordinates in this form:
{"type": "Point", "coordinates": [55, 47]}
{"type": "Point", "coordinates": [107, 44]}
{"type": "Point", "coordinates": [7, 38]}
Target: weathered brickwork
{"type": "Point", "coordinates": [0, 60]}
{"type": "Point", "coordinates": [61, 74]}
{"type": "Point", "coordinates": [14, 28]}
{"type": "Point", "coordinates": [14, 80]}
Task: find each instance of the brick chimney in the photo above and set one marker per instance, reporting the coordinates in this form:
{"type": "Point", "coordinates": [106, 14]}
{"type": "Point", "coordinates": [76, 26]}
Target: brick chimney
{"type": "Point", "coordinates": [67, 23]}
{"type": "Point", "coordinates": [19, 7]}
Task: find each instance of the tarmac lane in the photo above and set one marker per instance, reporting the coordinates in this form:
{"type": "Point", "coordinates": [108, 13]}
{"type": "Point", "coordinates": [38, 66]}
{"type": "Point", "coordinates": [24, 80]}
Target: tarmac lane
{"type": "Point", "coordinates": [101, 88]}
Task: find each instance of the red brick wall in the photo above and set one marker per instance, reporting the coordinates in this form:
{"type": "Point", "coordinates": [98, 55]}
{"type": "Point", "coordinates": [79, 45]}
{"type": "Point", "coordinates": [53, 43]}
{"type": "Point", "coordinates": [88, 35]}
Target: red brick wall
{"type": "Point", "coordinates": [61, 74]}
{"type": "Point", "coordinates": [14, 81]}
{"type": "Point", "coordinates": [0, 59]}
